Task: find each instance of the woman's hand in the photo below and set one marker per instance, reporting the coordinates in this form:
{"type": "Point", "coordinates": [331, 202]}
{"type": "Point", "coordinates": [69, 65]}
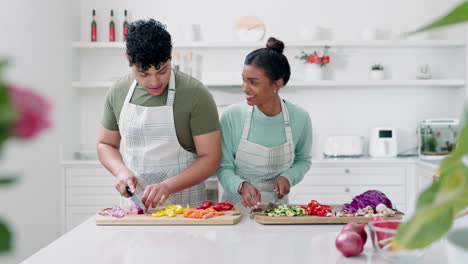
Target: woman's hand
{"type": "Point", "coordinates": [155, 194]}
{"type": "Point", "coordinates": [123, 179]}
{"type": "Point", "coordinates": [250, 196]}
{"type": "Point", "coordinates": [282, 186]}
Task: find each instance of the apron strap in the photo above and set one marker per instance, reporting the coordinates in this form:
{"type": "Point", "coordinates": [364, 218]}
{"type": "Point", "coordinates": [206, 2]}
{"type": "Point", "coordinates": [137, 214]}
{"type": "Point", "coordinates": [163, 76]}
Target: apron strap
{"type": "Point", "coordinates": [248, 118]}
{"type": "Point", "coordinates": [287, 125]}
{"type": "Point", "coordinates": [171, 94]}
{"type": "Point", "coordinates": [127, 100]}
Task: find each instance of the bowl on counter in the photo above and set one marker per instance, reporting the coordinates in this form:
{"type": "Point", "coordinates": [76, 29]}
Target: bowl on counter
{"type": "Point", "coordinates": [382, 233]}
{"type": "Point", "coordinates": [457, 245]}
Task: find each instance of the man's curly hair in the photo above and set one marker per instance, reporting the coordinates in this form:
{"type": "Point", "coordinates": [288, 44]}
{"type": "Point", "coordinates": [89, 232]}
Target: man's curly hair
{"type": "Point", "coordinates": [148, 44]}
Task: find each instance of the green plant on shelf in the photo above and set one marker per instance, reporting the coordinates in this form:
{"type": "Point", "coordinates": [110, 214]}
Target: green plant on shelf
{"type": "Point", "coordinates": [430, 142]}
{"type": "Point", "coordinates": [377, 67]}
{"type": "Point", "coordinates": [424, 69]}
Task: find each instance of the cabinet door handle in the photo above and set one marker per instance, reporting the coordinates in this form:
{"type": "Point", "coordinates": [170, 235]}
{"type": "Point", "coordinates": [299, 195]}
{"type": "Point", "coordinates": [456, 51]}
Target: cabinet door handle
{"type": "Point", "coordinates": [347, 190]}
{"type": "Point", "coordinates": [347, 171]}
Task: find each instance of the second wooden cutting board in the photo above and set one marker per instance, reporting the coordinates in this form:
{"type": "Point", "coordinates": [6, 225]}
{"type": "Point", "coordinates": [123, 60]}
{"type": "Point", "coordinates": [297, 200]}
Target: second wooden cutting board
{"type": "Point", "coordinates": [260, 218]}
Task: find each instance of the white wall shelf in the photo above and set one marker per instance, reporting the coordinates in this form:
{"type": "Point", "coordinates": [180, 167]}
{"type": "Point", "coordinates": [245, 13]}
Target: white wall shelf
{"type": "Point", "coordinates": [445, 83]}
{"type": "Point", "coordinates": [295, 44]}
{"type": "Point", "coordinates": [382, 83]}
{"type": "Point", "coordinates": [92, 84]}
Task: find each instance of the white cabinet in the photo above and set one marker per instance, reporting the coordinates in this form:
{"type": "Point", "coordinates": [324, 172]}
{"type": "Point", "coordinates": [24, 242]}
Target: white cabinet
{"type": "Point", "coordinates": [424, 173]}
{"type": "Point", "coordinates": [338, 182]}
{"type": "Point", "coordinates": [88, 188]}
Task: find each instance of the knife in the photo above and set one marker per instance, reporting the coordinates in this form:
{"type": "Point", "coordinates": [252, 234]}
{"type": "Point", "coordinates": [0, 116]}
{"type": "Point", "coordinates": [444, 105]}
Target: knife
{"type": "Point", "coordinates": [273, 201]}
{"type": "Point", "coordinates": [135, 199]}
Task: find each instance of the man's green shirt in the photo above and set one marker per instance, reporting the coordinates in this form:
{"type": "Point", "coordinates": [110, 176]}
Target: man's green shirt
{"type": "Point", "coordinates": [195, 111]}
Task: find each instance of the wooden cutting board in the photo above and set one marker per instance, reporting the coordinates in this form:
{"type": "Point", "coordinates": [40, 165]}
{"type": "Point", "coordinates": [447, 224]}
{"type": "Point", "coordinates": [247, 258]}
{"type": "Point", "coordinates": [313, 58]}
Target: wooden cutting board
{"type": "Point", "coordinates": [312, 219]}
{"type": "Point", "coordinates": [230, 218]}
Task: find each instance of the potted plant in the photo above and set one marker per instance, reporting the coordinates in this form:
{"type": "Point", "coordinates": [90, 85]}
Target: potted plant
{"type": "Point", "coordinates": [314, 62]}
{"type": "Point", "coordinates": [377, 72]}
{"type": "Point", "coordinates": [423, 72]}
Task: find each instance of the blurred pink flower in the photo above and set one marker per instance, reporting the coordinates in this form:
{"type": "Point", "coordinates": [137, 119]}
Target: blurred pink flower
{"type": "Point", "coordinates": [319, 53]}
{"type": "Point", "coordinates": [319, 57]}
{"type": "Point", "coordinates": [33, 112]}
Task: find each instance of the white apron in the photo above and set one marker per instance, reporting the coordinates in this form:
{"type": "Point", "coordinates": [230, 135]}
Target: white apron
{"type": "Point", "coordinates": [151, 150]}
{"type": "Point", "coordinates": [261, 165]}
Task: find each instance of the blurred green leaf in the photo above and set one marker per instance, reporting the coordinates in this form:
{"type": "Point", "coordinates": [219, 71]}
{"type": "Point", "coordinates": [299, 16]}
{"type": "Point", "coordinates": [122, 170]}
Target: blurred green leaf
{"type": "Point", "coordinates": [3, 62]}
{"type": "Point", "coordinates": [430, 227]}
{"type": "Point", "coordinates": [458, 15]}
{"type": "Point", "coordinates": [8, 113]}
{"type": "Point", "coordinates": [5, 238]}
{"type": "Point", "coordinates": [7, 180]}
{"type": "Point", "coordinates": [440, 202]}
{"type": "Point", "coordinates": [427, 196]}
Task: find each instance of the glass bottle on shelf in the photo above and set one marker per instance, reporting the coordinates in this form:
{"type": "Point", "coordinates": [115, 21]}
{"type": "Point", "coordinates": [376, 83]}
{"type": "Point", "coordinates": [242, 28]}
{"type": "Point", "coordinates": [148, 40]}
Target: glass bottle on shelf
{"type": "Point", "coordinates": [125, 26]}
{"type": "Point", "coordinates": [94, 27]}
{"type": "Point", "coordinates": [188, 63]}
{"type": "Point", "coordinates": [112, 27]}
{"type": "Point", "coordinates": [176, 61]}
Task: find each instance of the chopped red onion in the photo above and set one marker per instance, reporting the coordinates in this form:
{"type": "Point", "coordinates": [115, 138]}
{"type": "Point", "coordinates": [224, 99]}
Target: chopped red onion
{"type": "Point", "coordinates": [116, 212]}
{"type": "Point", "coordinates": [120, 212]}
{"type": "Point", "coordinates": [136, 209]}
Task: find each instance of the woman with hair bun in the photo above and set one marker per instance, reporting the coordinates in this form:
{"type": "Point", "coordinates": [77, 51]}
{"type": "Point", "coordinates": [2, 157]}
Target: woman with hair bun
{"type": "Point", "coordinates": [266, 142]}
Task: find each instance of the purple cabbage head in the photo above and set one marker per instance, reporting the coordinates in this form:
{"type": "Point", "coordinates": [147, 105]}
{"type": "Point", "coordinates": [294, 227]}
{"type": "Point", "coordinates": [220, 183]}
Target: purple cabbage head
{"type": "Point", "coordinates": [370, 197]}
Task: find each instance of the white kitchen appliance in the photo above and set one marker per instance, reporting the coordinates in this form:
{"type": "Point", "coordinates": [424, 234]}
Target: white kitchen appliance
{"type": "Point", "coordinates": [437, 137]}
{"type": "Point", "coordinates": [343, 146]}
{"type": "Point", "coordinates": [383, 142]}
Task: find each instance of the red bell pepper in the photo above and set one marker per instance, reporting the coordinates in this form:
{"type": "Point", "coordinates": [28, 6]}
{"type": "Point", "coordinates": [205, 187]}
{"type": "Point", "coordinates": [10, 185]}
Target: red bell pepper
{"type": "Point", "coordinates": [315, 208]}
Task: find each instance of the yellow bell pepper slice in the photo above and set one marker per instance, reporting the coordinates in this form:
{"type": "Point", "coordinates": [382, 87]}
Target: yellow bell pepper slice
{"type": "Point", "coordinates": [159, 213]}
{"type": "Point", "coordinates": [170, 213]}
{"type": "Point", "coordinates": [170, 210]}
{"type": "Point", "coordinates": [179, 210]}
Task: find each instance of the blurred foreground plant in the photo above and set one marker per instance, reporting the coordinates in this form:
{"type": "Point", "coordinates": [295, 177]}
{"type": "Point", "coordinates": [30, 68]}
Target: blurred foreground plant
{"type": "Point", "coordinates": [23, 115]}
{"type": "Point", "coordinates": [439, 204]}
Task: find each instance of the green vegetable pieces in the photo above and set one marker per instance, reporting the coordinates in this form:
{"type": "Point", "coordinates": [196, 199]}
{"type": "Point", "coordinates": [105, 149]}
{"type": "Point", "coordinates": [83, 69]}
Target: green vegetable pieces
{"type": "Point", "coordinates": [285, 210]}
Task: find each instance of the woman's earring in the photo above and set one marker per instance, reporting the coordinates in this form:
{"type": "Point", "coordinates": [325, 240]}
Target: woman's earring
{"type": "Point", "coordinates": [274, 91]}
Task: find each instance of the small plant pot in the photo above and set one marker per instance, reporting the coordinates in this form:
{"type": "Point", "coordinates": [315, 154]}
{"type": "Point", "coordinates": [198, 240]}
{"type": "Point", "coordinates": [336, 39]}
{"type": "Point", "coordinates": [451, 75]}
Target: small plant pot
{"type": "Point", "coordinates": [377, 75]}
{"type": "Point", "coordinates": [423, 76]}
{"type": "Point", "coordinates": [313, 72]}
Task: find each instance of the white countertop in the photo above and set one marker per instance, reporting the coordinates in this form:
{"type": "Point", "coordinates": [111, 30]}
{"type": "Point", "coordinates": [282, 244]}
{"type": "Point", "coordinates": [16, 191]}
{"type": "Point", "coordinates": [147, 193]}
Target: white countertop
{"type": "Point", "coordinates": [246, 242]}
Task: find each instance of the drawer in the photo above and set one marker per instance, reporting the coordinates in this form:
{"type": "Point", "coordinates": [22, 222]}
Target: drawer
{"type": "Point", "coordinates": [357, 170]}
{"type": "Point", "coordinates": [88, 177]}
{"type": "Point", "coordinates": [211, 183]}
{"type": "Point", "coordinates": [353, 179]}
{"type": "Point", "coordinates": [77, 215]}
{"type": "Point", "coordinates": [92, 196]}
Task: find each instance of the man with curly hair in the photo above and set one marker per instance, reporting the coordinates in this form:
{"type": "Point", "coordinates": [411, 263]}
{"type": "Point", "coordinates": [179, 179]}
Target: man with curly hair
{"type": "Point", "coordinates": [160, 133]}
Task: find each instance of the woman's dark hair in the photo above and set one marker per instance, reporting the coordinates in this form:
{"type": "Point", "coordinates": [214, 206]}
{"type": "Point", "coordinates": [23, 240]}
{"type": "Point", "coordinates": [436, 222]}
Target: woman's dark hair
{"type": "Point", "coordinates": [148, 44]}
{"type": "Point", "coordinates": [271, 60]}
